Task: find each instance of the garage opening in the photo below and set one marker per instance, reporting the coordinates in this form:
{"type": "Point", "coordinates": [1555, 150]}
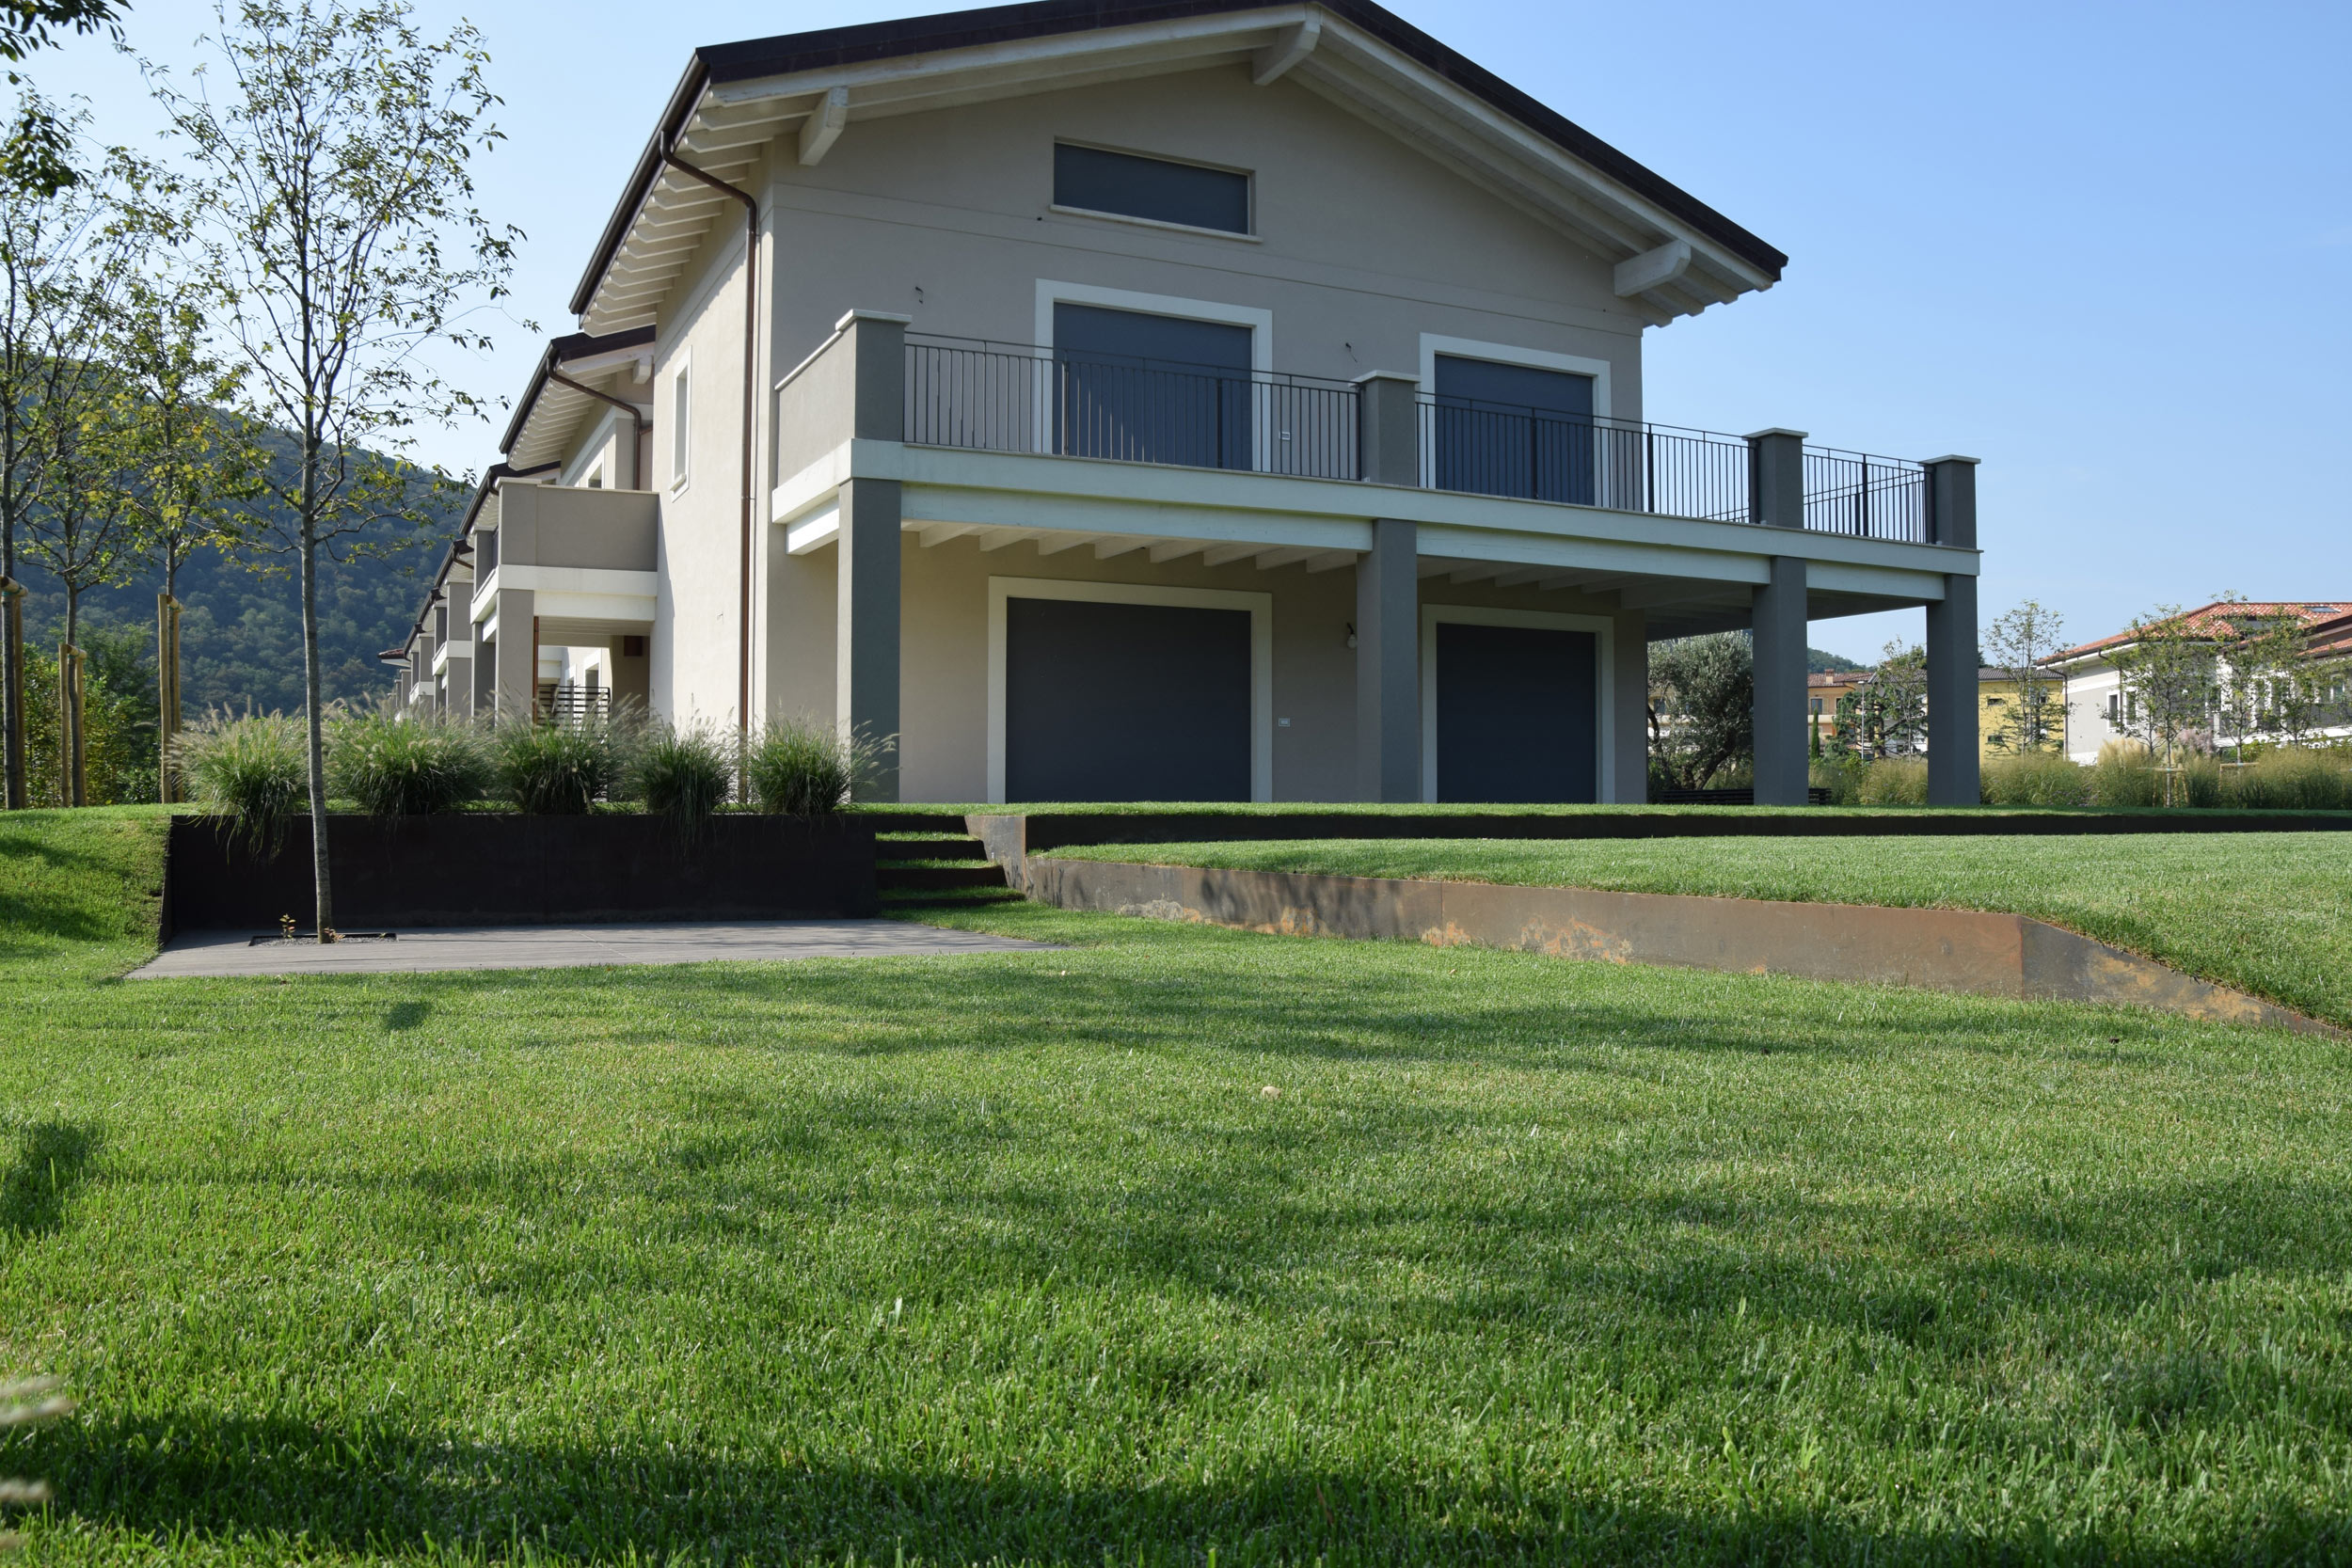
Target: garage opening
{"type": "Point", "coordinates": [1125, 701]}
{"type": "Point", "coordinates": [1518, 714]}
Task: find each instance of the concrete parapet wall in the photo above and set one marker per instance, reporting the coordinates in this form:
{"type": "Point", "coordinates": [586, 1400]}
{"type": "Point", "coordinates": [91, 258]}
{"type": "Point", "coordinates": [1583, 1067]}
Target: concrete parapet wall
{"type": "Point", "coordinates": [1966, 951]}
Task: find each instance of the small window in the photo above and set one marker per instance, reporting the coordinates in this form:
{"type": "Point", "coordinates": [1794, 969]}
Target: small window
{"type": "Point", "coordinates": [1152, 188]}
{"type": "Point", "coordinates": [681, 414]}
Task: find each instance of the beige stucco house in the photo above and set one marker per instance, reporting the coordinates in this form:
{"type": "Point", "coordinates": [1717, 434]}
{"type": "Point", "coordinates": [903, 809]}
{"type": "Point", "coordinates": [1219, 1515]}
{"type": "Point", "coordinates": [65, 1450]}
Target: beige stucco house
{"type": "Point", "coordinates": [1185, 401]}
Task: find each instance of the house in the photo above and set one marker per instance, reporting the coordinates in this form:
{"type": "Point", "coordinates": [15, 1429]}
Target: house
{"type": "Point", "coordinates": [2096, 703]}
{"type": "Point", "coordinates": [1999, 694]}
{"type": "Point", "coordinates": [1175, 400]}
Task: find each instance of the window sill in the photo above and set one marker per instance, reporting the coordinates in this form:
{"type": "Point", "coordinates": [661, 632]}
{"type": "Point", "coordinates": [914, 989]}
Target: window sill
{"type": "Point", "coordinates": [1152, 223]}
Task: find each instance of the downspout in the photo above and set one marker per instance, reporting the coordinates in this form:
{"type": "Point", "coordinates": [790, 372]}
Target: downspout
{"type": "Point", "coordinates": [750, 404]}
{"type": "Point", "coordinates": [637, 443]}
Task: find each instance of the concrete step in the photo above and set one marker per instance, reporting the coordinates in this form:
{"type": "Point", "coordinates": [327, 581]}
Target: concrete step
{"type": "Point", "coordinates": [934, 877]}
{"type": "Point", "coordinates": [908, 847]}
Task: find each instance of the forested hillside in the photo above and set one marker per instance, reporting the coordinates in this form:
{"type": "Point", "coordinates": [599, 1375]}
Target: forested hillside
{"type": "Point", "coordinates": [241, 633]}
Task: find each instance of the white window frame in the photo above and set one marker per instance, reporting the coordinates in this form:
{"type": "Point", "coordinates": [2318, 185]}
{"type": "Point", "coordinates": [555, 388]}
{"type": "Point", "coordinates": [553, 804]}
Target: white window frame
{"type": "Point", "coordinates": [681, 423]}
{"type": "Point", "coordinates": [1050, 293]}
{"type": "Point", "coordinates": [1259, 604]}
{"type": "Point", "coordinates": [1604, 709]}
{"type": "Point", "coordinates": [1433, 344]}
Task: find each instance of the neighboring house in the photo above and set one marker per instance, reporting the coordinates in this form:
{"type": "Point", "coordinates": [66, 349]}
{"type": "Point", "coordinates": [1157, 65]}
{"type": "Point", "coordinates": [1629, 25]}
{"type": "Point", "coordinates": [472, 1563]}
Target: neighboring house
{"type": "Point", "coordinates": [1998, 696]}
{"type": "Point", "coordinates": [1175, 400]}
{"type": "Point", "coordinates": [1822, 693]}
{"type": "Point", "coordinates": [2096, 701]}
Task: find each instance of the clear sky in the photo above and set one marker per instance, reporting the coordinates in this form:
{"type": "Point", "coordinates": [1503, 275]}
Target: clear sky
{"type": "Point", "coordinates": [2105, 247]}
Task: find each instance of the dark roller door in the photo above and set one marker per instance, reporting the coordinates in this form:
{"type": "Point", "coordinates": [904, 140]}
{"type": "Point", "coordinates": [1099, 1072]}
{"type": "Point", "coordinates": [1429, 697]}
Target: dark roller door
{"type": "Point", "coordinates": [1517, 714]}
{"type": "Point", "coordinates": [1123, 702]}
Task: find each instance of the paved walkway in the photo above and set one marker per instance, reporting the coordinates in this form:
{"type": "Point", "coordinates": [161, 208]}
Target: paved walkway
{"type": "Point", "coordinates": [424, 951]}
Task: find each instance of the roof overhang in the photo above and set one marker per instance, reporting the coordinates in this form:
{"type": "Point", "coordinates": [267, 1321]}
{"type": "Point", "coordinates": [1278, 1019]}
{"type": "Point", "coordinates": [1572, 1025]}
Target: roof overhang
{"type": "Point", "coordinates": [1675, 254]}
{"type": "Point", "coordinates": [553, 407]}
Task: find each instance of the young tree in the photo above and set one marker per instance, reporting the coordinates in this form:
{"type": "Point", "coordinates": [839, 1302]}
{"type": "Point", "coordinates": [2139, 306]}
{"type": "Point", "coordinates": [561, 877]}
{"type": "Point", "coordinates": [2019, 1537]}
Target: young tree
{"type": "Point", "coordinates": [51, 330]}
{"type": "Point", "coordinates": [38, 157]}
{"type": "Point", "coordinates": [2169, 674]}
{"type": "Point", "coordinates": [1701, 707]}
{"type": "Point", "coordinates": [2018, 642]}
{"type": "Point", "coordinates": [1885, 715]}
{"type": "Point", "coordinates": [338, 230]}
{"type": "Point", "coordinates": [189, 466]}
{"type": "Point", "coordinates": [2260, 670]}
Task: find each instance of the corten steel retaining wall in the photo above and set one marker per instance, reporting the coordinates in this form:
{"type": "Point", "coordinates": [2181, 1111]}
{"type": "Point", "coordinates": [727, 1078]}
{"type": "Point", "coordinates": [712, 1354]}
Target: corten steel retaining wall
{"type": "Point", "coordinates": [1967, 951]}
{"type": "Point", "coordinates": [1057, 829]}
{"type": "Point", "coordinates": [493, 869]}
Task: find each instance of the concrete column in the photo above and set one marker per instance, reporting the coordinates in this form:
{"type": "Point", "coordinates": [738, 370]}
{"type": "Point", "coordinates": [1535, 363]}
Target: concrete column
{"type": "Point", "coordinates": [1388, 664]}
{"type": "Point", "coordinates": [459, 703]}
{"type": "Point", "coordinates": [1953, 740]}
{"type": "Point", "coordinates": [1781, 753]}
{"type": "Point", "coordinates": [876, 342]}
{"type": "Point", "coordinates": [1629, 781]}
{"type": "Point", "coordinates": [1776, 499]}
{"type": "Point", "coordinates": [517, 676]}
{"type": "Point", "coordinates": [1388, 428]}
{"type": "Point", "coordinates": [485, 677]}
{"type": "Point", "coordinates": [865, 653]}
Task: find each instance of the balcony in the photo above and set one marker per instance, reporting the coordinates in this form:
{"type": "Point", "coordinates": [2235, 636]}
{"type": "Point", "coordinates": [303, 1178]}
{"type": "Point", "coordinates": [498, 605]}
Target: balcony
{"type": "Point", "coordinates": [977, 396]}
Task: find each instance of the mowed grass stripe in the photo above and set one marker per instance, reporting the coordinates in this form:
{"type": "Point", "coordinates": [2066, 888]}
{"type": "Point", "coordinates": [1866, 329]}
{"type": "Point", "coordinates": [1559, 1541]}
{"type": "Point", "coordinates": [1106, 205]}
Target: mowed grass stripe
{"type": "Point", "coordinates": [1014, 1257]}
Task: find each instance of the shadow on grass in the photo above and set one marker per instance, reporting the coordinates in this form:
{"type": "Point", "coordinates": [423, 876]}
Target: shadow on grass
{"type": "Point", "coordinates": [377, 1490]}
{"type": "Point", "coordinates": [51, 1157]}
{"type": "Point", "coordinates": [403, 1016]}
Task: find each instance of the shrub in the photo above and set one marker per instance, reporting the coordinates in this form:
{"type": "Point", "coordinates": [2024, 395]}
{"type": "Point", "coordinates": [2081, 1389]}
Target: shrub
{"type": "Point", "coordinates": [253, 770]}
{"type": "Point", "coordinates": [2035, 779]}
{"type": "Point", "coordinates": [685, 772]}
{"type": "Point", "coordinates": [2292, 780]}
{"type": "Point", "coordinates": [556, 769]}
{"type": "Point", "coordinates": [1894, 782]}
{"type": "Point", "coordinates": [803, 767]}
{"type": "Point", "coordinates": [1841, 775]}
{"type": "Point", "coordinates": [2125, 775]}
{"type": "Point", "coordinates": [2198, 782]}
{"type": "Point", "coordinates": [390, 764]}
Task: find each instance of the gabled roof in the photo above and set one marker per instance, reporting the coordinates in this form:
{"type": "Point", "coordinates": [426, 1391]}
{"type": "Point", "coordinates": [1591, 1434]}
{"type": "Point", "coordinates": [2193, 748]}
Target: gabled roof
{"type": "Point", "coordinates": [2220, 621]}
{"type": "Point", "coordinates": [734, 99]}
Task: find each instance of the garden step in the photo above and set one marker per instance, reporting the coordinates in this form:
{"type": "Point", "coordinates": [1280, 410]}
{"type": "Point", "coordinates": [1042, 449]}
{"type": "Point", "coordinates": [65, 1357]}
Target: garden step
{"type": "Point", "coordinates": [912, 821]}
{"type": "Point", "coordinates": [911, 849]}
{"type": "Point", "coordinates": [900, 878]}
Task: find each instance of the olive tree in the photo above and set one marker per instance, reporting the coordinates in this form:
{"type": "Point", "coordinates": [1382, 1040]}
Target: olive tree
{"type": "Point", "coordinates": [332, 208]}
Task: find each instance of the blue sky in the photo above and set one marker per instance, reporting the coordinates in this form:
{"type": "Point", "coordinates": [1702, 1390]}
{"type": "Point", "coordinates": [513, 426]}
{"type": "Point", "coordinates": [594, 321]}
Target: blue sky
{"type": "Point", "coordinates": [2105, 247]}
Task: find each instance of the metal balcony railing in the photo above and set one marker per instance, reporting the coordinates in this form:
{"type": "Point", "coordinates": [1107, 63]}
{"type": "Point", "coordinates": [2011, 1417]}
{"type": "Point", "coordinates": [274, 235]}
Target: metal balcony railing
{"type": "Point", "coordinates": [995, 396]}
{"type": "Point", "coordinates": [1487, 448]}
{"type": "Point", "coordinates": [1000, 397]}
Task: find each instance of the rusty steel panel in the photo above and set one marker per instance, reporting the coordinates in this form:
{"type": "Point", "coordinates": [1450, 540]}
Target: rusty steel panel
{"type": "Point", "coordinates": [1966, 951]}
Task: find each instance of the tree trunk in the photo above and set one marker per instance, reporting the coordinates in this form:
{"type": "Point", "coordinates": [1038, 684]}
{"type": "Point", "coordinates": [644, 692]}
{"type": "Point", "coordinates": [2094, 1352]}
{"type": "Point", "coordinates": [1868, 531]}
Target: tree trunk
{"type": "Point", "coordinates": [166, 689]}
{"type": "Point", "coordinates": [12, 689]}
{"type": "Point", "coordinates": [316, 728]}
{"type": "Point", "coordinates": [72, 759]}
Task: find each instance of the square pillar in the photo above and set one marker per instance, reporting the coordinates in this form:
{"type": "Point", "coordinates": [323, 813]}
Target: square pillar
{"type": "Point", "coordinates": [516, 668]}
{"type": "Point", "coordinates": [1629, 780]}
{"type": "Point", "coordinates": [1388, 428]}
{"type": "Point", "coordinates": [1388, 664]}
{"type": "Point", "coordinates": [1776, 499]}
{"type": "Point", "coordinates": [865, 653]}
{"type": "Point", "coordinates": [1954, 741]}
{"type": "Point", "coordinates": [1782, 763]}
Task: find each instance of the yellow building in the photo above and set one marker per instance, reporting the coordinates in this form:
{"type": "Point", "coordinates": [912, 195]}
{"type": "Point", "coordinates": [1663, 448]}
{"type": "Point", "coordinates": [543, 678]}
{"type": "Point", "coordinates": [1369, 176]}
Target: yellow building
{"type": "Point", "coordinates": [1997, 699]}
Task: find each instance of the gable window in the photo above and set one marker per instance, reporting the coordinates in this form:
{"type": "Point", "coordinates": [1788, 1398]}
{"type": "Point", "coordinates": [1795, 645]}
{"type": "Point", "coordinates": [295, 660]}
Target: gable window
{"type": "Point", "coordinates": [1158, 190]}
{"type": "Point", "coordinates": [681, 415]}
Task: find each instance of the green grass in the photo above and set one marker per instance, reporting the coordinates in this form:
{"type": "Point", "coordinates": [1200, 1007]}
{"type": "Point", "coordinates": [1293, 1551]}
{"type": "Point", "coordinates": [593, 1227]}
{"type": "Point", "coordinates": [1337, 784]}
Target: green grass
{"type": "Point", "coordinates": [1358, 808]}
{"type": "Point", "coordinates": [1013, 1257]}
{"type": "Point", "coordinates": [2270, 914]}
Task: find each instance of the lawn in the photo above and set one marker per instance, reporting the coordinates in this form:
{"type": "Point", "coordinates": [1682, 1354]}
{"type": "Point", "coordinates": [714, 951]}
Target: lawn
{"type": "Point", "coordinates": [1176, 1240]}
{"type": "Point", "coordinates": [2270, 914]}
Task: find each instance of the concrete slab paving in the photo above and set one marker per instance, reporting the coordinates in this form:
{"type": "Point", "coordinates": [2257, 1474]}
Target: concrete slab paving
{"type": "Point", "coordinates": [456, 947]}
